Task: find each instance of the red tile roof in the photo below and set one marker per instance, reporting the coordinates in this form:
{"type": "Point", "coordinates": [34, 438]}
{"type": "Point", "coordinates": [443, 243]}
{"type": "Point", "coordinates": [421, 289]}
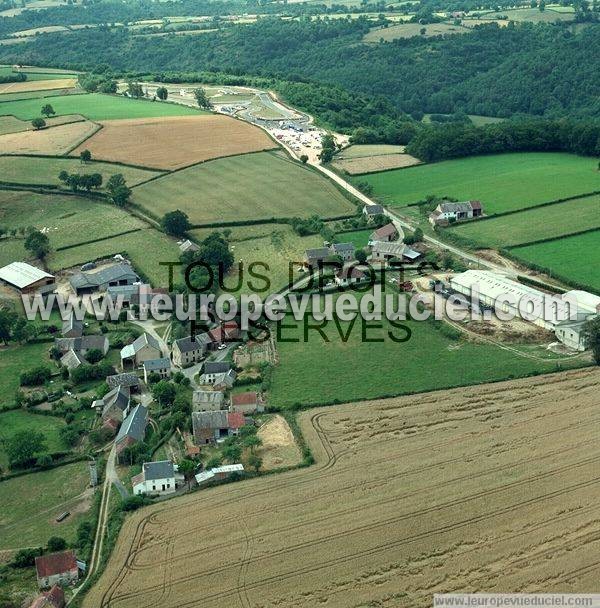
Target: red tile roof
{"type": "Point", "coordinates": [55, 563]}
{"type": "Point", "coordinates": [475, 204]}
{"type": "Point", "coordinates": [385, 231]}
{"type": "Point", "coordinates": [235, 420]}
{"type": "Point", "coordinates": [249, 398]}
{"type": "Point", "coordinates": [56, 596]}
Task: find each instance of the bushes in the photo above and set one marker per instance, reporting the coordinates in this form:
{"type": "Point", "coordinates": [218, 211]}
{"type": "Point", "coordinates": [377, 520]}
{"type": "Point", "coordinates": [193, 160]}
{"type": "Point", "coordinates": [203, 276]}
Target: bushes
{"type": "Point", "coordinates": [36, 376]}
{"type": "Point", "coordinates": [91, 372]}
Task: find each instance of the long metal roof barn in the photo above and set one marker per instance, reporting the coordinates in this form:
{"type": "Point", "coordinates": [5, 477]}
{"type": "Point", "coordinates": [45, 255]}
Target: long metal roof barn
{"type": "Point", "coordinates": [21, 274]}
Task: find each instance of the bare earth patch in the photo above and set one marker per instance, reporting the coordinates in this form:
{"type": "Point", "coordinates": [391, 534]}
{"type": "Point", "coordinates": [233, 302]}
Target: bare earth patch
{"type": "Point", "coordinates": [372, 164]}
{"type": "Point", "coordinates": [37, 85]}
{"type": "Point", "coordinates": [279, 448]}
{"type": "Point", "coordinates": [492, 488]}
{"type": "Point", "coordinates": [175, 142]}
{"type": "Point", "coordinates": [55, 140]}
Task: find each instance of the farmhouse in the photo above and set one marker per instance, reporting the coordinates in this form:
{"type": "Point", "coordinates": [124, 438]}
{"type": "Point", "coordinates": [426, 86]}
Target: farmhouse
{"type": "Point", "coordinates": [162, 367]}
{"type": "Point", "coordinates": [82, 345]}
{"type": "Point", "coordinates": [100, 280]}
{"type": "Point", "coordinates": [212, 369]}
{"type": "Point", "coordinates": [126, 380]}
{"type": "Point", "coordinates": [247, 403]}
{"type": "Point", "coordinates": [315, 257]}
{"type": "Point", "coordinates": [133, 429]}
{"type": "Point", "coordinates": [372, 211]}
{"type": "Point", "coordinates": [56, 569]}
{"type": "Point", "coordinates": [156, 478]}
{"type": "Point", "coordinates": [72, 328]}
{"type": "Point", "coordinates": [27, 278]}
{"type": "Point", "coordinates": [344, 250]}
{"type": "Point", "coordinates": [142, 349]}
{"type": "Point", "coordinates": [72, 359]}
{"type": "Point", "coordinates": [349, 275]}
{"type": "Point", "coordinates": [55, 598]}
{"type": "Point", "coordinates": [224, 381]}
{"type": "Point", "coordinates": [207, 401]}
{"type": "Point", "coordinates": [115, 404]}
{"type": "Point", "coordinates": [218, 473]}
{"type": "Point", "coordinates": [210, 427]}
{"type": "Point", "coordinates": [447, 212]}
{"type": "Point", "coordinates": [386, 233]}
{"type": "Point", "coordinates": [189, 350]}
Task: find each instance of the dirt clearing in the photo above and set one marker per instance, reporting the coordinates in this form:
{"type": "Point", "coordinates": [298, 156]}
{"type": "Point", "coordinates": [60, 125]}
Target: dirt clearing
{"type": "Point", "coordinates": [54, 140]}
{"type": "Point", "coordinates": [172, 143]}
{"type": "Point", "coordinates": [371, 164]}
{"type": "Point", "coordinates": [489, 488]}
{"type": "Point", "coordinates": [279, 448]}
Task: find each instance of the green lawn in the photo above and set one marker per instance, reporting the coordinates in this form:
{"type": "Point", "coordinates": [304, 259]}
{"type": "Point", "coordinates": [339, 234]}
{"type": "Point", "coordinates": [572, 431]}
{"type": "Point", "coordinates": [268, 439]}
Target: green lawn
{"type": "Point", "coordinates": [27, 170]}
{"type": "Point", "coordinates": [145, 249]}
{"type": "Point", "coordinates": [30, 504]}
{"type": "Point", "coordinates": [67, 220]}
{"type": "Point", "coordinates": [533, 224]}
{"type": "Point", "coordinates": [13, 360]}
{"type": "Point", "coordinates": [575, 257]}
{"type": "Point", "coordinates": [502, 182]}
{"type": "Point", "coordinates": [359, 238]}
{"type": "Point", "coordinates": [250, 186]}
{"type": "Point", "coordinates": [316, 371]}
{"type": "Point", "coordinates": [15, 421]}
{"type": "Point", "coordinates": [96, 106]}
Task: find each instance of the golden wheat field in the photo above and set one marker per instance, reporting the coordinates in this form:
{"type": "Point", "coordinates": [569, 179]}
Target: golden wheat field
{"type": "Point", "coordinates": [490, 488]}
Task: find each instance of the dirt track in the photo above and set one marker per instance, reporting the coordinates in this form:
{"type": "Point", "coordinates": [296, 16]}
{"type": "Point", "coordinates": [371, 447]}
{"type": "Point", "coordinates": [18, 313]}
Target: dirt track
{"type": "Point", "coordinates": [489, 488]}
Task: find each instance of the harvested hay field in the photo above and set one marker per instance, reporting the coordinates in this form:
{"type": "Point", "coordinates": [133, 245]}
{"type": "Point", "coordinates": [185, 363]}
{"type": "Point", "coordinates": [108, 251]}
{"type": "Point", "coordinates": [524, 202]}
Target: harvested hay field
{"type": "Point", "coordinates": [37, 85]}
{"type": "Point", "coordinates": [485, 488]}
{"type": "Point", "coordinates": [56, 140]}
{"type": "Point", "coordinates": [372, 164]}
{"type": "Point", "coordinates": [279, 448]}
{"type": "Point", "coordinates": [176, 142]}
{"type": "Point", "coordinates": [11, 124]}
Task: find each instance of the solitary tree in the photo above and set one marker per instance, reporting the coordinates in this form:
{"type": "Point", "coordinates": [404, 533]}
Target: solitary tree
{"type": "Point", "coordinates": [85, 156]}
{"type": "Point", "coordinates": [38, 123]}
{"type": "Point", "coordinates": [255, 462]}
{"type": "Point", "coordinates": [38, 244]}
{"type": "Point", "coordinates": [23, 446]}
{"type": "Point", "coordinates": [304, 159]}
{"type": "Point", "coordinates": [187, 468]}
{"type": "Point", "coordinates": [56, 543]}
{"type": "Point", "coordinates": [162, 93]}
{"type": "Point", "coordinates": [48, 110]}
{"type": "Point", "coordinates": [175, 223]}
{"type": "Point", "coordinates": [202, 99]}
{"type": "Point", "coordinates": [118, 190]}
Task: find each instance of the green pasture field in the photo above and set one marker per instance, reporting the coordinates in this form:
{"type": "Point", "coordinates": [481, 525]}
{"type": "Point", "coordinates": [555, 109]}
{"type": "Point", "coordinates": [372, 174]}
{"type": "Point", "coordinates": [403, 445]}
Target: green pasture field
{"type": "Point", "coordinates": [37, 73]}
{"type": "Point", "coordinates": [15, 421]}
{"type": "Point", "coordinates": [250, 186]}
{"type": "Point", "coordinates": [6, 97]}
{"type": "Point", "coordinates": [67, 220]}
{"type": "Point", "coordinates": [532, 15]}
{"type": "Point", "coordinates": [16, 359]}
{"type": "Point", "coordinates": [363, 150]}
{"type": "Point", "coordinates": [27, 521]}
{"type": "Point", "coordinates": [359, 238]}
{"type": "Point", "coordinates": [315, 371]}
{"type": "Point", "coordinates": [96, 106]}
{"type": "Point", "coordinates": [44, 170]}
{"type": "Point", "coordinates": [502, 182]}
{"type": "Point", "coordinates": [277, 250]}
{"type": "Point", "coordinates": [533, 224]}
{"type": "Point", "coordinates": [574, 257]}
{"type": "Point", "coordinates": [408, 30]}
{"type": "Point", "coordinates": [12, 250]}
{"type": "Point", "coordinates": [479, 121]}
{"type": "Point", "coordinates": [240, 233]}
{"type": "Point", "coordinates": [145, 249]}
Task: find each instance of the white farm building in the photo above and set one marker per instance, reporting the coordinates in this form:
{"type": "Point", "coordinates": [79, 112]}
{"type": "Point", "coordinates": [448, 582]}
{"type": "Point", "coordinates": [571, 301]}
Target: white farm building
{"type": "Point", "coordinates": [563, 314]}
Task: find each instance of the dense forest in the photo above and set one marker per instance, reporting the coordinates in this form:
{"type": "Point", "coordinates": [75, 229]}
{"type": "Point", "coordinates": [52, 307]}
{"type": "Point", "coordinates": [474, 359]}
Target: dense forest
{"type": "Point", "coordinates": [541, 70]}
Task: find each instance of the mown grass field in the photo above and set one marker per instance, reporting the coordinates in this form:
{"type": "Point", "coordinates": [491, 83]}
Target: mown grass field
{"type": "Point", "coordinates": [27, 521]}
{"type": "Point", "coordinates": [35, 73]}
{"type": "Point", "coordinates": [12, 250]}
{"type": "Point", "coordinates": [408, 30]}
{"type": "Point", "coordinates": [67, 220]}
{"type": "Point", "coordinates": [146, 249]}
{"type": "Point", "coordinates": [16, 359]}
{"type": "Point", "coordinates": [359, 238]}
{"type": "Point", "coordinates": [15, 421]}
{"type": "Point", "coordinates": [492, 478]}
{"type": "Point", "coordinates": [575, 257]}
{"type": "Point", "coordinates": [533, 224]}
{"type": "Point", "coordinates": [43, 171]}
{"type": "Point", "coordinates": [316, 371]}
{"type": "Point", "coordinates": [96, 106]}
{"type": "Point", "coordinates": [8, 97]}
{"type": "Point", "coordinates": [251, 186]}
{"type": "Point", "coordinates": [502, 182]}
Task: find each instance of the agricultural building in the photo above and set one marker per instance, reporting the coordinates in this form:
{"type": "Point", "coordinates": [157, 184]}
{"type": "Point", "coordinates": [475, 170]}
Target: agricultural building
{"type": "Point", "coordinates": [27, 278]}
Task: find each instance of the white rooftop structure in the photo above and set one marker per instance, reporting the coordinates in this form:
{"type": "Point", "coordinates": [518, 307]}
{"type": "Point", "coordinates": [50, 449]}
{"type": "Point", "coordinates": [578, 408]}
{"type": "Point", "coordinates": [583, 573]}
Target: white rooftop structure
{"type": "Point", "coordinates": [224, 469]}
{"type": "Point", "coordinates": [586, 302]}
{"type": "Point", "coordinates": [21, 274]}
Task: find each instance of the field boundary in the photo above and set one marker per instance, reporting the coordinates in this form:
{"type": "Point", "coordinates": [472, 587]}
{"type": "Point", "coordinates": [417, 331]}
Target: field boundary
{"type": "Point", "coordinates": [553, 238]}
{"type": "Point", "coordinates": [40, 97]}
{"type": "Point", "coordinates": [99, 240]}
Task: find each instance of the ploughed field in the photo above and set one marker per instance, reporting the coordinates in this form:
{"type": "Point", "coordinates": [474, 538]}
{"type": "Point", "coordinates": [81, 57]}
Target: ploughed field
{"type": "Point", "coordinates": [479, 488]}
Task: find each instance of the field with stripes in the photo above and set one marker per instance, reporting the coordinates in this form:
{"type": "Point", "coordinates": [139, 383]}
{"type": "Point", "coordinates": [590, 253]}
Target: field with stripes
{"type": "Point", "coordinates": [469, 489]}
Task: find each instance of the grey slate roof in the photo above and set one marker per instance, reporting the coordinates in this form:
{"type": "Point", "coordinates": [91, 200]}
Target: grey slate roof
{"type": "Point", "coordinates": [201, 397]}
{"type": "Point", "coordinates": [118, 397]}
{"type": "Point", "coordinates": [109, 274]}
{"type": "Point", "coordinates": [162, 469]}
{"type": "Point", "coordinates": [127, 379]}
{"type": "Point", "coordinates": [154, 364]}
{"type": "Point", "coordinates": [134, 425]}
{"type": "Point", "coordinates": [210, 420]}
{"type": "Point", "coordinates": [72, 325]}
{"type": "Point", "coordinates": [72, 359]}
{"type": "Point", "coordinates": [187, 345]}
{"type": "Point", "coordinates": [226, 378]}
{"type": "Point", "coordinates": [456, 207]}
{"type": "Point", "coordinates": [82, 343]}
{"type": "Point", "coordinates": [338, 247]}
{"type": "Point", "coordinates": [144, 339]}
{"type": "Point", "coordinates": [216, 367]}
{"type": "Point", "coordinates": [394, 248]}
{"type": "Point", "coordinates": [373, 209]}
{"type": "Point", "coordinates": [318, 254]}
{"type": "Point", "coordinates": [187, 245]}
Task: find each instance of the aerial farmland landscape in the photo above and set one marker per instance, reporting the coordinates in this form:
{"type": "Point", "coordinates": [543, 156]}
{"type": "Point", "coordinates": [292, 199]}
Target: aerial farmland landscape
{"type": "Point", "coordinates": [299, 303]}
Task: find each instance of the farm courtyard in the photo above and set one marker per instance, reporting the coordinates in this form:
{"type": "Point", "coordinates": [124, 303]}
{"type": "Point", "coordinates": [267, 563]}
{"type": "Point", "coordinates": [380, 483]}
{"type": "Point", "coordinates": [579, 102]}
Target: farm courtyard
{"type": "Point", "coordinates": [490, 477]}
